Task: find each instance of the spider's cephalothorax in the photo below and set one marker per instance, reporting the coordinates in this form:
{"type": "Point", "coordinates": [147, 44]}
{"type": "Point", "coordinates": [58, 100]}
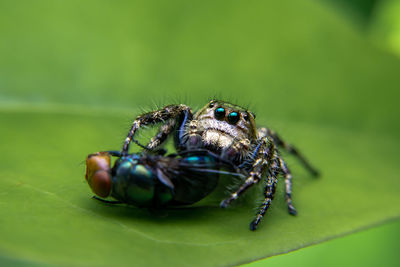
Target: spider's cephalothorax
{"type": "Point", "coordinates": [223, 128]}
{"type": "Point", "coordinates": [229, 131]}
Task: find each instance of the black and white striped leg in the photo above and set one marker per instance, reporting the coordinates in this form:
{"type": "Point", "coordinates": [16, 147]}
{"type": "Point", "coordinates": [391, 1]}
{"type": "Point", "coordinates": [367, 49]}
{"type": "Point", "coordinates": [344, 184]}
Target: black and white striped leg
{"type": "Point", "coordinates": [162, 115]}
{"type": "Point", "coordinates": [251, 180]}
{"type": "Point", "coordinates": [290, 149]}
{"type": "Point", "coordinates": [162, 134]}
{"type": "Point", "coordinates": [269, 195]}
{"type": "Point", "coordinates": [288, 182]}
{"type": "Point", "coordinates": [265, 154]}
{"type": "Point", "coordinates": [269, 191]}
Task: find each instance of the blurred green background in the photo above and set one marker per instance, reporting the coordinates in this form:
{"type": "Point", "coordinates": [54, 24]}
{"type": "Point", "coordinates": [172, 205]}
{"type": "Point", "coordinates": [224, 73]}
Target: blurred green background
{"type": "Point", "coordinates": [379, 22]}
{"type": "Point", "coordinates": [333, 65]}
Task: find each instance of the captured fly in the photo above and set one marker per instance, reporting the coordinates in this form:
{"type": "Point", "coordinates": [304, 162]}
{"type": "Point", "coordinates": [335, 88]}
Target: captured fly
{"type": "Point", "coordinates": [149, 180]}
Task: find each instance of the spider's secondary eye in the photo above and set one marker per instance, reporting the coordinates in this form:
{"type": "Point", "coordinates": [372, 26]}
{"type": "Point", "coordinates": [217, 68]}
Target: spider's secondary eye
{"type": "Point", "coordinates": [233, 117]}
{"type": "Point", "coordinates": [219, 113]}
{"type": "Point", "coordinates": [211, 104]}
{"type": "Point", "coordinates": [246, 117]}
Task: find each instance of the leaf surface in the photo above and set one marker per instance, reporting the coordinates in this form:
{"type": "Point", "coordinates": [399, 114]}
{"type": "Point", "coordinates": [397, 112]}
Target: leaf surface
{"type": "Point", "coordinates": [48, 214]}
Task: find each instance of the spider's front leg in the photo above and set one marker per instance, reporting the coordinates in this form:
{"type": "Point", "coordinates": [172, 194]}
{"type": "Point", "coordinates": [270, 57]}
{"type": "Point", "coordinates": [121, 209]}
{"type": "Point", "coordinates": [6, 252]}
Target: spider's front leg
{"type": "Point", "coordinates": [161, 135]}
{"type": "Point", "coordinates": [266, 160]}
{"type": "Point", "coordinates": [171, 114]}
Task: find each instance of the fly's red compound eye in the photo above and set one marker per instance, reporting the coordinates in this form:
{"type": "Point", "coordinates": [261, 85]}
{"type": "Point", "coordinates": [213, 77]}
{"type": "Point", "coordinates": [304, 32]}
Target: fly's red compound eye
{"type": "Point", "coordinates": [101, 183]}
{"type": "Point", "coordinates": [98, 173]}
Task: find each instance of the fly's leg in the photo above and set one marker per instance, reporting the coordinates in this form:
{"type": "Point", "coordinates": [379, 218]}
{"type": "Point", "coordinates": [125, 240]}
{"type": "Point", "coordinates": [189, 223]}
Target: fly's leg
{"type": "Point", "coordinates": [107, 201]}
{"type": "Point", "coordinates": [114, 153]}
{"type": "Point", "coordinates": [162, 115]}
{"type": "Point", "coordinates": [288, 182]}
{"type": "Point", "coordinates": [289, 148]}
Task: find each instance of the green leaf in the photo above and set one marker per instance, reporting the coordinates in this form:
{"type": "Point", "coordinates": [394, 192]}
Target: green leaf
{"type": "Point", "coordinates": [73, 77]}
{"type": "Point", "coordinates": [371, 247]}
{"type": "Point", "coordinates": [48, 214]}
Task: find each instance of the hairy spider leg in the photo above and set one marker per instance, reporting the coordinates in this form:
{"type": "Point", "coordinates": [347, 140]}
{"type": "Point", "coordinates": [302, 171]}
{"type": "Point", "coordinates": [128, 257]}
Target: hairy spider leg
{"type": "Point", "coordinates": [161, 135]}
{"type": "Point", "coordinates": [161, 115]}
{"type": "Point", "coordinates": [267, 159]}
{"type": "Point", "coordinates": [289, 148]}
{"type": "Point", "coordinates": [288, 182]}
{"type": "Point", "coordinates": [269, 191]}
{"type": "Point", "coordinates": [269, 195]}
{"type": "Point", "coordinates": [265, 154]}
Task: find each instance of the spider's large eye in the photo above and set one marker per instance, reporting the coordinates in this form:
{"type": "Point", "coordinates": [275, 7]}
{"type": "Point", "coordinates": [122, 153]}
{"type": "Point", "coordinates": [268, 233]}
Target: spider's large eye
{"type": "Point", "coordinates": [233, 117]}
{"type": "Point", "coordinates": [219, 113]}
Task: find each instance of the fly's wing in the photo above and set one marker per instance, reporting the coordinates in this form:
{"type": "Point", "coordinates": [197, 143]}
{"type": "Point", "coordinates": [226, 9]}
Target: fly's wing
{"type": "Point", "coordinates": [164, 178]}
{"type": "Point", "coordinates": [194, 177]}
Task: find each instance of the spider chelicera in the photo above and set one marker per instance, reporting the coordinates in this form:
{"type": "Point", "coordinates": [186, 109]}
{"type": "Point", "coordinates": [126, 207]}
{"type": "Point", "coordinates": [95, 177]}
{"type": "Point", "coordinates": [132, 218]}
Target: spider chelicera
{"type": "Point", "coordinates": [229, 131]}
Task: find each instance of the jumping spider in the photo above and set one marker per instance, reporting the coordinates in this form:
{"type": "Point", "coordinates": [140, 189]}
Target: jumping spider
{"type": "Point", "coordinates": [229, 131]}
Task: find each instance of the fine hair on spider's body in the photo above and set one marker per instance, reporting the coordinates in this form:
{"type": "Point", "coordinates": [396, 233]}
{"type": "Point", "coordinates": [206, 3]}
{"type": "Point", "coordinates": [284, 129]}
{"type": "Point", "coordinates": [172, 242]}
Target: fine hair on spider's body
{"type": "Point", "coordinates": [229, 131]}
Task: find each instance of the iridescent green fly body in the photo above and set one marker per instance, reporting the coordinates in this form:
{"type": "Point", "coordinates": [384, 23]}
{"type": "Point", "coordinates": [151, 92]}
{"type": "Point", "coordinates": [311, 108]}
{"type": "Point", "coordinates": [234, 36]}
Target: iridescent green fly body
{"type": "Point", "coordinates": [155, 181]}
